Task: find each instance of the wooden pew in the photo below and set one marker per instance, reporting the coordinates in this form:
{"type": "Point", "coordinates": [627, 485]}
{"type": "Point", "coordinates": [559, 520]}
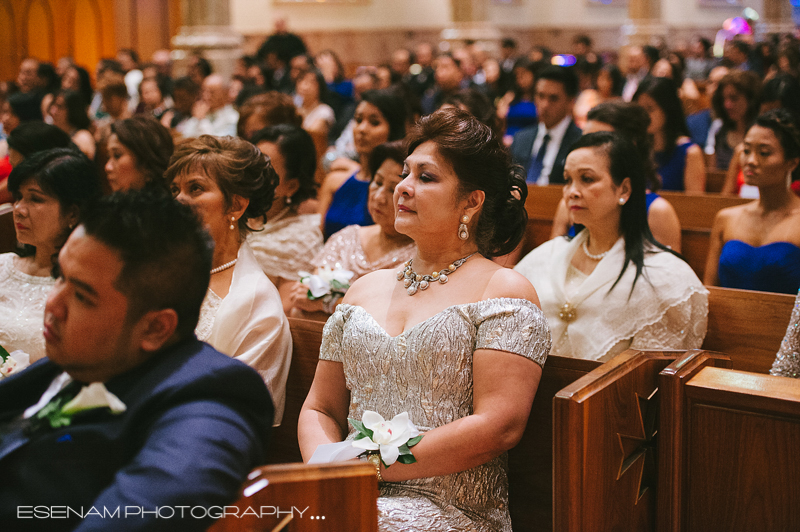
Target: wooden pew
{"type": "Point", "coordinates": [731, 462]}
{"type": "Point", "coordinates": [748, 326]}
{"type": "Point", "coordinates": [8, 236]}
{"type": "Point", "coordinates": [696, 214]}
{"type": "Point", "coordinates": [306, 339]}
{"type": "Point", "coordinates": [541, 206]}
{"type": "Point", "coordinates": [605, 429]}
{"type": "Point", "coordinates": [302, 498]}
{"type": "Point", "coordinates": [715, 179]}
{"type": "Point", "coordinates": [530, 463]}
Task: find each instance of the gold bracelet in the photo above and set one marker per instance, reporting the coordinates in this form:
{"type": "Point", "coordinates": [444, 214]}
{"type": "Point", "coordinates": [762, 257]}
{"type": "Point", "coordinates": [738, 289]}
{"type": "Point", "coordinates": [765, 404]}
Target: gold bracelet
{"type": "Point", "coordinates": [375, 459]}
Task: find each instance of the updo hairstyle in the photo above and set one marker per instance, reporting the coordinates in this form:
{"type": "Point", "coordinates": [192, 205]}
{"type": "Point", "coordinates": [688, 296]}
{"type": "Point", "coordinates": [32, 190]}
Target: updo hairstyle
{"type": "Point", "coordinates": [235, 165]}
{"type": "Point", "coordinates": [784, 125]}
{"type": "Point", "coordinates": [481, 162]}
{"type": "Point", "coordinates": [299, 154]}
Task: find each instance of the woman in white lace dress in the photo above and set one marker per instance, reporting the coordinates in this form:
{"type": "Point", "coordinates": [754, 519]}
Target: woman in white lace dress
{"type": "Point", "coordinates": [228, 181]}
{"type": "Point", "coordinates": [50, 189]}
{"type": "Point", "coordinates": [287, 241]}
{"type": "Point", "coordinates": [612, 286]}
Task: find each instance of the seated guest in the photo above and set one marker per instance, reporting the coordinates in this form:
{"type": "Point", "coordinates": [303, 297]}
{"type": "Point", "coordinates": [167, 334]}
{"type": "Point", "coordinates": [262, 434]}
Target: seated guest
{"type": "Point", "coordinates": [139, 149]}
{"type": "Point", "coordinates": [735, 103]}
{"type": "Point", "coordinates": [16, 109]}
{"type": "Point", "coordinates": [265, 110]}
{"type": "Point", "coordinates": [288, 241]}
{"type": "Point", "coordinates": [364, 249]}
{"type": "Point", "coordinates": [228, 182]}
{"type": "Point", "coordinates": [51, 189]}
{"type": "Point", "coordinates": [462, 358]}
{"type": "Point", "coordinates": [613, 287]}
{"type": "Point", "coordinates": [787, 361]}
{"type": "Point", "coordinates": [517, 106]}
{"type": "Point", "coordinates": [632, 122]}
{"type": "Point", "coordinates": [756, 246]}
{"type": "Point", "coordinates": [679, 161]}
{"type": "Point", "coordinates": [380, 117]}
{"type": "Point", "coordinates": [212, 115]}
{"type": "Point", "coordinates": [69, 112]}
{"type": "Point", "coordinates": [318, 117]}
{"type": "Point", "coordinates": [542, 149]}
{"type": "Point", "coordinates": [33, 137]}
{"type": "Point", "coordinates": [185, 424]}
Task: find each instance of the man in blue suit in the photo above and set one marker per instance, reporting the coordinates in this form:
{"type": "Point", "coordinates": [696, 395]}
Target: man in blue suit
{"type": "Point", "coordinates": [192, 422]}
{"type": "Point", "coordinates": [542, 149]}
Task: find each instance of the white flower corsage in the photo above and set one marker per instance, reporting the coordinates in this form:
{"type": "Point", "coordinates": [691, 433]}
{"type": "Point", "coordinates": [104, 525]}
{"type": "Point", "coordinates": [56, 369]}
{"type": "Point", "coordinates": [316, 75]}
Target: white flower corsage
{"type": "Point", "coordinates": [327, 284]}
{"type": "Point", "coordinates": [391, 439]}
{"type": "Point", "coordinates": [13, 362]}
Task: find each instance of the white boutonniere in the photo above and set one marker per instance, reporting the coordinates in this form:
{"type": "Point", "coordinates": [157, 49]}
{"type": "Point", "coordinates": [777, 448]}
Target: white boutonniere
{"type": "Point", "coordinates": [60, 410]}
{"type": "Point", "coordinates": [13, 362]}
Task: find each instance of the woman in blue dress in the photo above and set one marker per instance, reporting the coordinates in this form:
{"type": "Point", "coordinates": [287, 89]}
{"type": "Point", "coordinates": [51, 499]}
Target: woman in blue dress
{"type": "Point", "coordinates": [756, 246]}
{"type": "Point", "coordinates": [679, 161]}
{"type": "Point", "coordinates": [380, 117]}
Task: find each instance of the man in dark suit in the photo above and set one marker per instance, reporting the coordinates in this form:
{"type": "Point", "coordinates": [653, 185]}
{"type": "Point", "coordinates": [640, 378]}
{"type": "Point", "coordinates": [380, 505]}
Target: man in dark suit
{"type": "Point", "coordinates": [542, 149]}
{"type": "Point", "coordinates": [193, 422]}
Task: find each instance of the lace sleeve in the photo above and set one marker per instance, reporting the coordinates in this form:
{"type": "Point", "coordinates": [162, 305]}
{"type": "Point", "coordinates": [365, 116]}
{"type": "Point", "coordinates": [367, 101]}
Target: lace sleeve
{"type": "Point", "coordinates": [787, 362]}
{"type": "Point", "coordinates": [683, 326]}
{"type": "Point", "coordinates": [513, 325]}
{"type": "Point", "coordinates": [331, 348]}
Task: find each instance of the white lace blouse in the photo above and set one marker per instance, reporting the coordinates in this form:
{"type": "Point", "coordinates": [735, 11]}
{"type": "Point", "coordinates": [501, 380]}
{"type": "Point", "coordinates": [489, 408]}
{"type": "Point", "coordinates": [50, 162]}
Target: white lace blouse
{"type": "Point", "coordinates": [22, 299]}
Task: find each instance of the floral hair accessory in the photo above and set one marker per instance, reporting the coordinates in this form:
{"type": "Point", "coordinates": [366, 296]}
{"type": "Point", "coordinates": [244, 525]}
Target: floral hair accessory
{"type": "Point", "coordinates": [392, 439]}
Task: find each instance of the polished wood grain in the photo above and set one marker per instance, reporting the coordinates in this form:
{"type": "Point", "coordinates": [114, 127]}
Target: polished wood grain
{"type": "Point", "coordinates": [604, 430]}
{"type": "Point", "coordinates": [740, 451]}
{"type": "Point", "coordinates": [748, 326]}
{"type": "Point", "coordinates": [670, 460]}
{"type": "Point", "coordinates": [318, 498]}
{"type": "Point", "coordinates": [306, 340]}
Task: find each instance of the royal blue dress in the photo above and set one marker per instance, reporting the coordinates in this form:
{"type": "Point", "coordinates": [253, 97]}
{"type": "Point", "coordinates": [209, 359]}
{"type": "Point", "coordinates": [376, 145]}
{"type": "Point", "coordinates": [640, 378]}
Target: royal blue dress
{"type": "Point", "coordinates": [671, 166]}
{"type": "Point", "coordinates": [772, 267]}
{"type": "Point", "coordinates": [521, 114]}
{"type": "Point", "coordinates": [349, 206]}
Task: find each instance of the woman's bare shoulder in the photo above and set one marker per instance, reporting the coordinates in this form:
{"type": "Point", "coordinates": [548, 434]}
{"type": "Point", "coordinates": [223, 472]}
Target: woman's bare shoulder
{"type": "Point", "coordinates": [505, 282]}
{"type": "Point", "coordinates": [368, 286]}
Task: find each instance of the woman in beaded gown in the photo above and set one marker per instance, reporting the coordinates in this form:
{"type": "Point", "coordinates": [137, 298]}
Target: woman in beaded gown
{"type": "Point", "coordinates": [50, 189]}
{"type": "Point", "coordinates": [787, 361]}
{"type": "Point", "coordinates": [362, 249]}
{"type": "Point", "coordinates": [461, 351]}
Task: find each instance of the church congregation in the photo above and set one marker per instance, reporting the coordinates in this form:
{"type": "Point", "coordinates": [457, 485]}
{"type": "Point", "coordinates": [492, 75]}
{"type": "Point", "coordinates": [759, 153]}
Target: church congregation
{"type": "Point", "coordinates": [511, 283]}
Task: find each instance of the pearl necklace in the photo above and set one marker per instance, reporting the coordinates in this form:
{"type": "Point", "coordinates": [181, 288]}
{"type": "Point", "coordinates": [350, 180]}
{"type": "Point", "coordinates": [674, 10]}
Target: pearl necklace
{"type": "Point", "coordinates": [223, 267]}
{"type": "Point", "coordinates": [599, 256]}
{"type": "Point", "coordinates": [413, 280]}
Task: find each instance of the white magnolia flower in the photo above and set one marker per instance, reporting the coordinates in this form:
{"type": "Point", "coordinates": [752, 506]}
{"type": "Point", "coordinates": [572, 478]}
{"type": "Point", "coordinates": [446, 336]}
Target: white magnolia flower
{"type": "Point", "coordinates": [16, 362]}
{"type": "Point", "coordinates": [387, 436]}
{"type": "Point", "coordinates": [94, 396]}
{"type": "Point", "coordinates": [319, 284]}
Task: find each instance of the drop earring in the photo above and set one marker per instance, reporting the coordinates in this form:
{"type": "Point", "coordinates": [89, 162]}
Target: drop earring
{"type": "Point", "coordinates": [233, 219]}
{"type": "Point", "coordinates": [463, 233]}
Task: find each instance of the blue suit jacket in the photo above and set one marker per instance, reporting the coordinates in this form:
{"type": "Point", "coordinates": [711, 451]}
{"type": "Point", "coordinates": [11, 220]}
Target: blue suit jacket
{"type": "Point", "coordinates": [196, 424]}
{"type": "Point", "coordinates": [522, 148]}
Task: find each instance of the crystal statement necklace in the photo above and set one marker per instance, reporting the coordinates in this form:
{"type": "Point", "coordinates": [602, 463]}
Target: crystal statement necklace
{"type": "Point", "coordinates": [413, 280]}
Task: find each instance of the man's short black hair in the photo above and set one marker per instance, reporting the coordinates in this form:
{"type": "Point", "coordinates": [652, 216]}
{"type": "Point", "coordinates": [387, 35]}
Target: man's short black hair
{"type": "Point", "coordinates": [165, 252]}
{"type": "Point", "coordinates": [563, 75]}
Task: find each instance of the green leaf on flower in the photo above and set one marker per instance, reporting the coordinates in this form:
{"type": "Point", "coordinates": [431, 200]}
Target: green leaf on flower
{"type": "Point", "coordinates": [4, 354]}
{"type": "Point", "coordinates": [406, 459]}
{"type": "Point", "coordinates": [413, 441]}
{"type": "Point", "coordinates": [311, 297]}
{"type": "Point", "coordinates": [339, 287]}
{"type": "Point", "coordinates": [362, 430]}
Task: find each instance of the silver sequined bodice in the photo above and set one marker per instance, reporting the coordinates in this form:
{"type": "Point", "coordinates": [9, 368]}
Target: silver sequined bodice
{"type": "Point", "coordinates": [787, 362]}
{"type": "Point", "coordinates": [427, 372]}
